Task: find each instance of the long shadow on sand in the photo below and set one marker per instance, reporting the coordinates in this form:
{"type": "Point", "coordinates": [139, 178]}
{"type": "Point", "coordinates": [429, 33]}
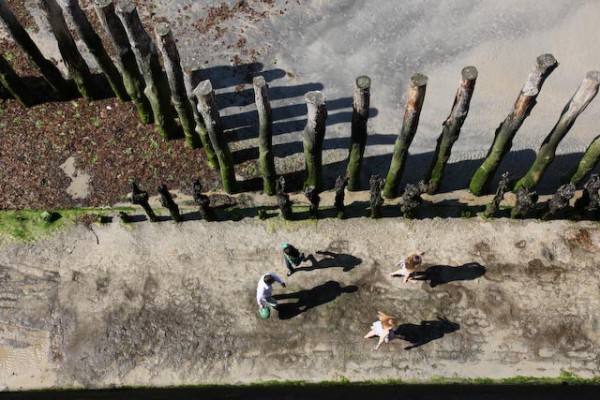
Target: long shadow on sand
{"type": "Point", "coordinates": [333, 260]}
{"type": "Point", "coordinates": [310, 298]}
{"type": "Point", "coordinates": [440, 274]}
{"type": "Point", "coordinates": [418, 335]}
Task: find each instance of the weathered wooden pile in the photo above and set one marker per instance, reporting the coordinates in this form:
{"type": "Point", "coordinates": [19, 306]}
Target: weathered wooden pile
{"type": "Point", "coordinates": [181, 109]}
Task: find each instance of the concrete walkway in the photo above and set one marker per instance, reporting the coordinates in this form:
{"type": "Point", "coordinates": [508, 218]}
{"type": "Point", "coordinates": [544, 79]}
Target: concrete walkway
{"type": "Point", "coordinates": [167, 304]}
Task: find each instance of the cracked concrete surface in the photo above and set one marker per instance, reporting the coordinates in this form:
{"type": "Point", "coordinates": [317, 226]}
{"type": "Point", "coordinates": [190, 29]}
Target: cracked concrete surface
{"type": "Point", "coordinates": [167, 304]}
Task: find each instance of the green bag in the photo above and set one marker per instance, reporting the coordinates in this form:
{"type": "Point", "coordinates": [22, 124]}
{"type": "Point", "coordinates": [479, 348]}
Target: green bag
{"type": "Point", "coordinates": [264, 312]}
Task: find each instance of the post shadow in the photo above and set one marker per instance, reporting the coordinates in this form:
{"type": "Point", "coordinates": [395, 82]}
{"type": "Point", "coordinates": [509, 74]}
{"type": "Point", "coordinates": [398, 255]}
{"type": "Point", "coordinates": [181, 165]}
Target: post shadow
{"type": "Point", "coordinates": [427, 331]}
{"type": "Point", "coordinates": [440, 274]}
{"type": "Point", "coordinates": [310, 298]}
{"type": "Point", "coordinates": [334, 260]}
{"type": "Point", "coordinates": [457, 175]}
{"type": "Point", "coordinates": [225, 76]}
{"type": "Point", "coordinates": [244, 125]}
{"type": "Point", "coordinates": [45, 94]}
{"type": "Point", "coordinates": [136, 218]}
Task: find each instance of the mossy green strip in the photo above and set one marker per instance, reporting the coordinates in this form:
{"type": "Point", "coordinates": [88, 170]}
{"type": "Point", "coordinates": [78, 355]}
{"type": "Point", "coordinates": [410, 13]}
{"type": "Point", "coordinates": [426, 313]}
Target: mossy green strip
{"type": "Point", "coordinates": [28, 225]}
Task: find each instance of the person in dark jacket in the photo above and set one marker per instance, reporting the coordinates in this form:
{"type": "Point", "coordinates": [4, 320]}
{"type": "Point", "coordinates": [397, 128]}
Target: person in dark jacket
{"type": "Point", "coordinates": [291, 257]}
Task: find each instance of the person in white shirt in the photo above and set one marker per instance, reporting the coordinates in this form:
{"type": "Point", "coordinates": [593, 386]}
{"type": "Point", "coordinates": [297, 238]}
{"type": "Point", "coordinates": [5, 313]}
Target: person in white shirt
{"type": "Point", "coordinates": [264, 290]}
{"type": "Point", "coordinates": [384, 328]}
{"type": "Point", "coordinates": [408, 266]}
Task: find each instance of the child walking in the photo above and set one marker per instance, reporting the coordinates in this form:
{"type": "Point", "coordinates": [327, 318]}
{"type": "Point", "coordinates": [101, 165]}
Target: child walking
{"type": "Point", "coordinates": [384, 328]}
{"type": "Point", "coordinates": [408, 266]}
{"type": "Point", "coordinates": [291, 257]}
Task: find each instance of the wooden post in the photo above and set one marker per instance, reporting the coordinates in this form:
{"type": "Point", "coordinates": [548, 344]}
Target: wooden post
{"type": "Point", "coordinates": [156, 91]}
{"type": "Point", "coordinates": [167, 201]}
{"type": "Point", "coordinates": [132, 78]}
{"type": "Point", "coordinates": [312, 139]}
{"type": "Point", "coordinates": [265, 133]}
{"type": "Point", "coordinates": [558, 205]}
{"type": "Point", "coordinates": [203, 201]}
{"type": "Point", "coordinates": [451, 128]}
{"type": "Point", "coordinates": [376, 200]}
{"type": "Point", "coordinates": [172, 64]}
{"type": "Point", "coordinates": [139, 197]}
{"type": "Point", "coordinates": [48, 70]}
{"type": "Point", "coordinates": [358, 130]}
{"type": "Point", "coordinates": [580, 100]}
{"type": "Point", "coordinates": [340, 185]}
{"type": "Point", "coordinates": [213, 163]}
{"type": "Point", "coordinates": [73, 60]}
{"type": "Point", "coordinates": [94, 43]}
{"type": "Point", "coordinates": [414, 102]}
{"type": "Point", "coordinates": [207, 105]}
{"type": "Point", "coordinates": [587, 163]}
{"type": "Point", "coordinates": [491, 208]}
{"type": "Point", "coordinates": [525, 203]}
{"type": "Point", "coordinates": [283, 199]}
{"type": "Point", "coordinates": [590, 199]}
{"type": "Point", "coordinates": [481, 180]}
{"type": "Point", "coordinates": [314, 199]}
{"type": "Point", "coordinates": [411, 199]}
{"type": "Point", "coordinates": [14, 84]}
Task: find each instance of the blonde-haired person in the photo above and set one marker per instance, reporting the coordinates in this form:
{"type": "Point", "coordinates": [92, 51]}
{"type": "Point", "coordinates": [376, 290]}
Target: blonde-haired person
{"type": "Point", "coordinates": [408, 265]}
{"type": "Point", "coordinates": [384, 328]}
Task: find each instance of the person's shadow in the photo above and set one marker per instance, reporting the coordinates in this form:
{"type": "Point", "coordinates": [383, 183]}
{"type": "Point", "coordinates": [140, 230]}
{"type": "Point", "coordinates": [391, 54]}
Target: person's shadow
{"type": "Point", "coordinates": [333, 260]}
{"type": "Point", "coordinates": [424, 333]}
{"type": "Point", "coordinates": [310, 298]}
{"type": "Point", "coordinates": [440, 274]}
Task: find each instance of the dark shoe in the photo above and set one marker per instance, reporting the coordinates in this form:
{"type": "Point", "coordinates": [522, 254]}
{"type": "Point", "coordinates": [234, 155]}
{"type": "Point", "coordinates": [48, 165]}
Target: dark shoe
{"type": "Point", "coordinates": [289, 273]}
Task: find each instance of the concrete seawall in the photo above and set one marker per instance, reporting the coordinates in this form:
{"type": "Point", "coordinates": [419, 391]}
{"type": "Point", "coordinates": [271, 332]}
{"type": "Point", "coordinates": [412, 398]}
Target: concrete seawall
{"type": "Point", "coordinates": [167, 304]}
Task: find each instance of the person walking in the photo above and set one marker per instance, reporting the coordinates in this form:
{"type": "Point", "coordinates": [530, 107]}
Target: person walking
{"type": "Point", "coordinates": [264, 290]}
{"type": "Point", "coordinates": [384, 328]}
{"type": "Point", "coordinates": [408, 266]}
{"type": "Point", "coordinates": [291, 257]}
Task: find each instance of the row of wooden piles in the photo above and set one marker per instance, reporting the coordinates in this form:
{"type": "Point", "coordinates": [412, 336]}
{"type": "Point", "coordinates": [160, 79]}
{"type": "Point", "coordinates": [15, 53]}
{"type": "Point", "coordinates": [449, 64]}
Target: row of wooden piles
{"type": "Point", "coordinates": [165, 97]}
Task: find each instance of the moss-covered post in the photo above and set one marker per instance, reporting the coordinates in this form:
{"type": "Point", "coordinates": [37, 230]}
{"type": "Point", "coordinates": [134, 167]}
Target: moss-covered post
{"type": "Point", "coordinates": [414, 103]}
{"type": "Point", "coordinates": [89, 36]}
{"type": "Point", "coordinates": [211, 157]}
{"type": "Point", "coordinates": [207, 105]}
{"type": "Point", "coordinates": [157, 90]}
{"type": "Point", "coordinates": [172, 64]}
{"type": "Point", "coordinates": [14, 84]}
{"type": "Point", "coordinates": [358, 130]}
{"type": "Point", "coordinates": [265, 133]}
{"type": "Point", "coordinates": [451, 128]}
{"type": "Point", "coordinates": [580, 100]}
{"type": "Point", "coordinates": [587, 163]}
{"type": "Point", "coordinates": [312, 139]}
{"type": "Point", "coordinates": [481, 180]}
{"type": "Point", "coordinates": [132, 78]}
{"type": "Point", "coordinates": [48, 70]}
{"type": "Point", "coordinates": [75, 63]}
